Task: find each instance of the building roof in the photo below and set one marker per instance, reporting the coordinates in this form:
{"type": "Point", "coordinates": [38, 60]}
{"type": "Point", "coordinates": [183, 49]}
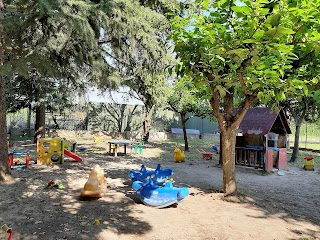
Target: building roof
{"type": "Point", "coordinates": [260, 120]}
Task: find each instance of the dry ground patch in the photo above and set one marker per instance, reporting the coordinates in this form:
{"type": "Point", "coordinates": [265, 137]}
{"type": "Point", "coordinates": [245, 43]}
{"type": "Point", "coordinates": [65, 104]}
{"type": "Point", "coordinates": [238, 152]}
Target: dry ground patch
{"type": "Point", "coordinates": [271, 207]}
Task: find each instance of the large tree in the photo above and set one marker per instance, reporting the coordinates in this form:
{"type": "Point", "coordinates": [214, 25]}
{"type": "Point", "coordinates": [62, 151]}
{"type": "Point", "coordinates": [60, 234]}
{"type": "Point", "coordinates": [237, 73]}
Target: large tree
{"type": "Point", "coordinates": [4, 167]}
{"type": "Point", "coordinates": [134, 43]}
{"type": "Point", "coordinates": [240, 52]}
{"type": "Point", "coordinates": [184, 98]}
{"type": "Point", "coordinates": [302, 108]}
{"type": "Point", "coordinates": [55, 39]}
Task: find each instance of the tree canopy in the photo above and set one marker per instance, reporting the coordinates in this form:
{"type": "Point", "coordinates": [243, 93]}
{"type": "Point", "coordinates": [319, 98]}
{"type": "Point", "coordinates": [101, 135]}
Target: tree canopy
{"type": "Point", "coordinates": [244, 52]}
{"type": "Point", "coordinates": [134, 43]}
{"type": "Point", "coordinates": [185, 98]}
{"type": "Point", "coordinates": [54, 40]}
{"type": "Point", "coordinates": [104, 42]}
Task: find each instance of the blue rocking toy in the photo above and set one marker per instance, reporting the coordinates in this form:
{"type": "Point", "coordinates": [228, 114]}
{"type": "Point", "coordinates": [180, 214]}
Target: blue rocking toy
{"type": "Point", "coordinates": [159, 197]}
{"type": "Point", "coordinates": [158, 176]}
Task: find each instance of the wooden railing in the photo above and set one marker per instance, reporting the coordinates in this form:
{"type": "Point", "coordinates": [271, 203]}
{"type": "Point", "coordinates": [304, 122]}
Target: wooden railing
{"type": "Point", "coordinates": [250, 157]}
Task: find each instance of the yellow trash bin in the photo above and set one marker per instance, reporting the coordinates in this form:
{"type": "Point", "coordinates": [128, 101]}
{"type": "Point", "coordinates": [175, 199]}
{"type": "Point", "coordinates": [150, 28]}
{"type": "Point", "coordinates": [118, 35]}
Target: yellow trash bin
{"type": "Point", "coordinates": [309, 163]}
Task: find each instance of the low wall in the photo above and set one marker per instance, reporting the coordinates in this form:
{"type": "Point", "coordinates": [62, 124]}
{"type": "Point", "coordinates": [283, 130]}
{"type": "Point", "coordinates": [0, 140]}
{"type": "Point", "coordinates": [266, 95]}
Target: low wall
{"type": "Point", "coordinates": [164, 136]}
{"type": "Point", "coordinates": [211, 136]}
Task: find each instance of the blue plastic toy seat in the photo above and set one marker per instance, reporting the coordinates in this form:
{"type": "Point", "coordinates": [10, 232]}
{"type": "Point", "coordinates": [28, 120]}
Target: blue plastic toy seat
{"type": "Point", "coordinates": [158, 176]}
{"type": "Point", "coordinates": [157, 196]}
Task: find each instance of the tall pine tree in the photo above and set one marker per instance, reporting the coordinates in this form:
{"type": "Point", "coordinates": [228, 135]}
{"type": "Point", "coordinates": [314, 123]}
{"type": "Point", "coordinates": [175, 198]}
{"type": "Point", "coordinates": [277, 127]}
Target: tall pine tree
{"type": "Point", "coordinates": [54, 40]}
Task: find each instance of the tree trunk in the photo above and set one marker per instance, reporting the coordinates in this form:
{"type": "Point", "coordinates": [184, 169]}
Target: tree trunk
{"type": "Point", "coordinates": [229, 122]}
{"type": "Point", "coordinates": [299, 114]}
{"type": "Point", "coordinates": [29, 120]}
{"type": "Point", "coordinates": [147, 125]}
{"type": "Point", "coordinates": [129, 119]}
{"type": "Point", "coordinates": [5, 173]}
{"type": "Point", "coordinates": [86, 122]}
{"type": "Point", "coordinates": [121, 119]}
{"type": "Point", "coordinates": [40, 122]}
{"type": "Point", "coordinates": [55, 121]}
{"type": "Point", "coordinates": [228, 141]}
{"type": "Point", "coordinates": [185, 137]}
{"type": "Point", "coordinates": [296, 144]}
{"type": "Point", "coordinates": [4, 163]}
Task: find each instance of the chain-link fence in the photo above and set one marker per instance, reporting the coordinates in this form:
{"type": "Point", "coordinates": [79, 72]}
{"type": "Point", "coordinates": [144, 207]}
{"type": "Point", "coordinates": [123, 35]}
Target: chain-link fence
{"type": "Point", "coordinates": [309, 136]}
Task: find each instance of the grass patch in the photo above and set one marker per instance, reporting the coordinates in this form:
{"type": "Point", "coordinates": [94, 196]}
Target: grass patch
{"type": "Point", "coordinates": [197, 146]}
{"type": "Point", "coordinates": [20, 138]}
{"type": "Point", "coordinates": [300, 159]}
{"type": "Point", "coordinates": [92, 150]}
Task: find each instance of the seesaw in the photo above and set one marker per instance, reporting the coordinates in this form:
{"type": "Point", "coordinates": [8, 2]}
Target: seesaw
{"type": "Point", "coordinates": [159, 196]}
{"type": "Point", "coordinates": [158, 176]}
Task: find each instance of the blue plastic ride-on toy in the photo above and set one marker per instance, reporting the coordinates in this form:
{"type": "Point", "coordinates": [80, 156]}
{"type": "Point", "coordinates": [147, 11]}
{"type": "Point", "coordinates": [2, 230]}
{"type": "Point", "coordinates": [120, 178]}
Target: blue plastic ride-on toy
{"type": "Point", "coordinates": [158, 176]}
{"type": "Point", "coordinates": [159, 196]}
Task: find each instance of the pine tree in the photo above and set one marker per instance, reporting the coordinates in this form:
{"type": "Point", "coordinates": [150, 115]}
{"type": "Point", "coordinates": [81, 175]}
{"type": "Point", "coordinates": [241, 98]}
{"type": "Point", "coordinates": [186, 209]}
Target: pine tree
{"type": "Point", "coordinates": [49, 40]}
{"type": "Point", "coordinates": [135, 42]}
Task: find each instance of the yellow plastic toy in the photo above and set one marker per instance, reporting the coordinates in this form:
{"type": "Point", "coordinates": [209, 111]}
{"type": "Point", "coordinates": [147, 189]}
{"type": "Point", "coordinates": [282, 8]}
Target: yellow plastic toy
{"type": "Point", "coordinates": [50, 151]}
{"type": "Point", "coordinates": [309, 163]}
{"type": "Point", "coordinates": [95, 186]}
{"type": "Point", "coordinates": [179, 155]}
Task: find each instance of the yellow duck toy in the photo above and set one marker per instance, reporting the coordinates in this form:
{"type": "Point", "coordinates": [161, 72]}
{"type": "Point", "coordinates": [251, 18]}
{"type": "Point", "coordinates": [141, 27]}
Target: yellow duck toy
{"type": "Point", "coordinates": [179, 155]}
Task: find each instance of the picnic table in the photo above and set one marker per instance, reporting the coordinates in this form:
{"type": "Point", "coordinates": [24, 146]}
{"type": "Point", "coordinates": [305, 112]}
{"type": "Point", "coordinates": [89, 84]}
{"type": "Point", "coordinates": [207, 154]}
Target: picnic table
{"type": "Point", "coordinates": [115, 146]}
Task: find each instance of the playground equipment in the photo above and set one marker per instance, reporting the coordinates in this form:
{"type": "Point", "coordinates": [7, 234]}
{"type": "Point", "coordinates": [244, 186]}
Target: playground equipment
{"type": "Point", "coordinates": [309, 163]}
{"type": "Point", "coordinates": [159, 197]}
{"type": "Point", "coordinates": [95, 186]}
{"type": "Point", "coordinates": [179, 155]}
{"type": "Point", "coordinates": [138, 147]}
{"type": "Point", "coordinates": [155, 189]}
{"type": "Point", "coordinates": [72, 155]}
{"type": "Point", "coordinates": [70, 146]}
{"type": "Point", "coordinates": [52, 151]}
{"type": "Point", "coordinates": [158, 176]}
{"type": "Point", "coordinates": [19, 164]}
{"type": "Point", "coordinates": [207, 155]}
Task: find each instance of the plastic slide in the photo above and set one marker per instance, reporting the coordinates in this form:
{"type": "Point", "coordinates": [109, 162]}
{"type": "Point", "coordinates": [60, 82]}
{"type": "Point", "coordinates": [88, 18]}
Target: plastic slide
{"type": "Point", "coordinates": [72, 155]}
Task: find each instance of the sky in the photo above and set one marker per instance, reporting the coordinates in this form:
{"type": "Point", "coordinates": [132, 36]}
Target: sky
{"type": "Point", "coordinates": [120, 97]}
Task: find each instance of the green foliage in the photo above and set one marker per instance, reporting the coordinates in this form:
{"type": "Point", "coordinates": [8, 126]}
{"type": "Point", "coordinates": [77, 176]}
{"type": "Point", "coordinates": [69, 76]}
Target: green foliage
{"type": "Point", "coordinates": [185, 97]}
{"type": "Point", "coordinates": [246, 51]}
{"type": "Point", "coordinates": [264, 41]}
{"type": "Point", "coordinates": [113, 117]}
{"type": "Point", "coordinates": [134, 41]}
{"type": "Point", "coordinates": [61, 31]}
{"type": "Point", "coordinates": [51, 50]}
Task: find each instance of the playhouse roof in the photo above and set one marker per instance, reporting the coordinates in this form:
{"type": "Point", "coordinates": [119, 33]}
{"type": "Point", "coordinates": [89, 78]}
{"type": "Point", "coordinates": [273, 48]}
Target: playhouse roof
{"type": "Point", "coordinates": [259, 120]}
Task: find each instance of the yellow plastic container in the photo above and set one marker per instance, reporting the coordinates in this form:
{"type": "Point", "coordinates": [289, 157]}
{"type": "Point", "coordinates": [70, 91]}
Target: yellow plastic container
{"type": "Point", "coordinates": [309, 163]}
{"type": "Point", "coordinates": [50, 151]}
{"type": "Point", "coordinates": [66, 144]}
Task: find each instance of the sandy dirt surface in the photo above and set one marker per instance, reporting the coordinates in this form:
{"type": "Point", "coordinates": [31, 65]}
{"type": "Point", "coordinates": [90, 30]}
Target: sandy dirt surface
{"type": "Point", "coordinates": [272, 206]}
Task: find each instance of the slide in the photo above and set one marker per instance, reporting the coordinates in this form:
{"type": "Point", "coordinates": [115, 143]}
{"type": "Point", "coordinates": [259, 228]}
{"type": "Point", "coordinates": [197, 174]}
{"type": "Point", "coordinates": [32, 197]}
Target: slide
{"type": "Point", "coordinates": [72, 155]}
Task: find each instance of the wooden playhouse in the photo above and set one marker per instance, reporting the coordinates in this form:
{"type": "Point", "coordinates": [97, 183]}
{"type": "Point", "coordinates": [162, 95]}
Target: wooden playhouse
{"type": "Point", "coordinates": [262, 139]}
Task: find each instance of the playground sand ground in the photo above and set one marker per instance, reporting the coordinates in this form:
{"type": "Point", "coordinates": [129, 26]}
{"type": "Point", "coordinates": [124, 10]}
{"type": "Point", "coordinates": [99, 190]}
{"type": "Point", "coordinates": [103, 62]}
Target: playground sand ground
{"type": "Point", "coordinates": [270, 207]}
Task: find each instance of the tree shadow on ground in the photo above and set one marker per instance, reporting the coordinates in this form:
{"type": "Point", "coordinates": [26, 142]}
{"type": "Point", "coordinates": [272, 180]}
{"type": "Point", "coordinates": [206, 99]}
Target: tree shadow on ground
{"type": "Point", "coordinates": [52, 213]}
{"type": "Point", "coordinates": [290, 197]}
{"type": "Point", "coordinates": [58, 213]}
